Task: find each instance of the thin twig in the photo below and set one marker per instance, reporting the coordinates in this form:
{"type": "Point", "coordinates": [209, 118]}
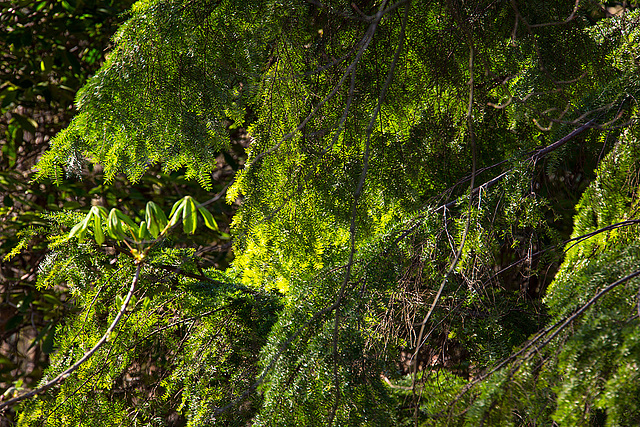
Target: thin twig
{"type": "Point", "coordinates": [534, 156]}
{"type": "Point", "coordinates": [182, 272]}
{"type": "Point", "coordinates": [454, 263]}
{"type": "Point", "coordinates": [356, 200]}
{"type": "Point", "coordinates": [63, 376]}
{"type": "Point", "coordinates": [566, 21]}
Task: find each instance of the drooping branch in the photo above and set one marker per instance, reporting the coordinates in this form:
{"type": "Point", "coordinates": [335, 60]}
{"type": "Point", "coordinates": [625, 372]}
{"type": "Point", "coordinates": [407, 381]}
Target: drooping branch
{"type": "Point", "coordinates": [454, 263]}
{"type": "Point", "coordinates": [546, 336]}
{"type": "Point", "coordinates": [64, 375]}
{"type": "Point", "coordinates": [364, 44]}
{"type": "Point", "coordinates": [533, 157]}
{"type": "Point", "coordinates": [356, 197]}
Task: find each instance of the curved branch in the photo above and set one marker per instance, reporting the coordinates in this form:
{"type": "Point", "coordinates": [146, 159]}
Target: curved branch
{"type": "Point", "coordinates": [534, 156]}
{"type": "Point", "coordinates": [63, 376]}
{"type": "Point", "coordinates": [357, 194]}
{"type": "Point", "coordinates": [466, 228]}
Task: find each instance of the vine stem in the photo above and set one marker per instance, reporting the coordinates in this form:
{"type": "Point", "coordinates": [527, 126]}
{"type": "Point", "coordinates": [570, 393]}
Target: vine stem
{"type": "Point", "coordinates": [64, 375]}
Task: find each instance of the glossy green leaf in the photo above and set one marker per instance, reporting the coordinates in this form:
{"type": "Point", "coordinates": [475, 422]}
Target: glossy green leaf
{"type": "Point", "coordinates": [119, 225]}
{"type": "Point", "coordinates": [209, 221]}
{"type": "Point", "coordinates": [114, 226]}
{"type": "Point", "coordinates": [130, 227]}
{"type": "Point", "coordinates": [98, 211]}
{"type": "Point", "coordinates": [189, 218]}
{"type": "Point", "coordinates": [176, 211]}
{"type": "Point", "coordinates": [80, 228]}
{"type": "Point", "coordinates": [155, 218]}
{"type": "Point", "coordinates": [143, 232]}
{"type": "Point", "coordinates": [97, 229]}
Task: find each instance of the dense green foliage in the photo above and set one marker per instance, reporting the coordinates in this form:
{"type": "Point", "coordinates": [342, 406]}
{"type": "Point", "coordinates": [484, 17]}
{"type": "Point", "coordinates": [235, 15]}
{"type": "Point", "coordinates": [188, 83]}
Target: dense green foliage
{"type": "Point", "coordinates": [49, 48]}
{"type": "Point", "coordinates": [437, 220]}
{"type": "Point", "coordinates": [47, 51]}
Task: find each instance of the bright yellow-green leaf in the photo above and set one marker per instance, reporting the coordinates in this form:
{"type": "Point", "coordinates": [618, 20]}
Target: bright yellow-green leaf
{"type": "Point", "coordinates": [126, 220]}
{"type": "Point", "coordinates": [114, 226]}
{"type": "Point", "coordinates": [209, 221]}
{"type": "Point", "coordinates": [98, 211]}
{"type": "Point", "coordinates": [176, 211]}
{"type": "Point", "coordinates": [156, 219]}
{"type": "Point", "coordinates": [78, 230]}
{"type": "Point", "coordinates": [97, 230]}
{"type": "Point", "coordinates": [142, 231]}
{"type": "Point", "coordinates": [189, 218]}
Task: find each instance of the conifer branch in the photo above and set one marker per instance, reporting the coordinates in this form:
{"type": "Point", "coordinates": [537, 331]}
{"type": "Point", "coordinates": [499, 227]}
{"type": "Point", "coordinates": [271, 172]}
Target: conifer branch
{"type": "Point", "coordinates": [533, 156]}
{"type": "Point", "coordinates": [454, 263]}
{"type": "Point", "coordinates": [529, 349]}
{"type": "Point", "coordinates": [345, 113]}
{"type": "Point", "coordinates": [365, 41]}
{"type": "Point", "coordinates": [577, 240]}
{"type": "Point", "coordinates": [182, 272]}
{"type": "Point", "coordinates": [64, 375]}
{"type": "Point", "coordinates": [357, 194]}
{"type": "Point", "coordinates": [283, 347]}
{"type": "Point", "coordinates": [566, 21]}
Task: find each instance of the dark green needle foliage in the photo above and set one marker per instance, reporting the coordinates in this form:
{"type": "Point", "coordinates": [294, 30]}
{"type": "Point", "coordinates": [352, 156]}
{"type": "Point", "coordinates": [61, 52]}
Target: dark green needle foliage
{"type": "Point", "coordinates": [406, 252]}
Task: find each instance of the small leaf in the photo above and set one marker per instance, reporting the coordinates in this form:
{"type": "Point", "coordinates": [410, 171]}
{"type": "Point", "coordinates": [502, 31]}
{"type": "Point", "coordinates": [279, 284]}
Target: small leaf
{"type": "Point", "coordinates": [76, 229]}
{"type": "Point", "coordinates": [97, 230]}
{"type": "Point", "coordinates": [114, 226]}
{"type": "Point", "coordinates": [125, 219]}
{"type": "Point", "coordinates": [208, 219]}
{"type": "Point", "coordinates": [156, 219]}
{"type": "Point", "coordinates": [153, 228]}
{"type": "Point", "coordinates": [189, 221]}
{"type": "Point", "coordinates": [176, 211]}
{"type": "Point", "coordinates": [128, 222]}
{"type": "Point", "coordinates": [98, 211]}
{"type": "Point", "coordinates": [143, 231]}
{"type": "Point", "coordinates": [177, 205]}
{"type": "Point", "coordinates": [80, 228]}
{"type": "Point", "coordinates": [116, 223]}
{"type": "Point", "coordinates": [159, 213]}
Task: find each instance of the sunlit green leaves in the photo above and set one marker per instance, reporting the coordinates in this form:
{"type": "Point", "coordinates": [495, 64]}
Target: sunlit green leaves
{"type": "Point", "coordinates": [209, 221]}
{"type": "Point", "coordinates": [121, 227]}
{"type": "Point", "coordinates": [155, 218]}
{"type": "Point", "coordinates": [184, 208]}
{"type": "Point", "coordinates": [187, 208]}
{"type": "Point", "coordinates": [95, 217]}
